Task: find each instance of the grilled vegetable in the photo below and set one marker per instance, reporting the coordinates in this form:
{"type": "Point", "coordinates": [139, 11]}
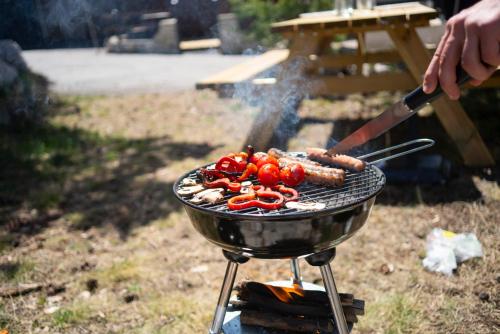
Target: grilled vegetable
{"type": "Point", "coordinates": [267, 160]}
{"type": "Point", "coordinates": [211, 196]}
{"type": "Point", "coordinates": [269, 175]}
{"type": "Point", "coordinates": [313, 206]}
{"type": "Point", "coordinates": [292, 175]}
{"type": "Point", "coordinates": [230, 164]}
{"type": "Point", "coordinates": [223, 183]}
{"type": "Point", "coordinates": [190, 190]}
{"type": "Point", "coordinates": [294, 194]}
{"type": "Point", "coordinates": [252, 199]}
{"type": "Point", "coordinates": [250, 170]}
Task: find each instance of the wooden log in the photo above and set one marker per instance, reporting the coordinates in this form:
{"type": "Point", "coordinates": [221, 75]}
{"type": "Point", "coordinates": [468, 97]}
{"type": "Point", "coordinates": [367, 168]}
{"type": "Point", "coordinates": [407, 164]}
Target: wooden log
{"type": "Point", "coordinates": [286, 323]}
{"type": "Point", "coordinates": [319, 311]}
{"type": "Point", "coordinates": [248, 288]}
{"type": "Point", "coordinates": [258, 296]}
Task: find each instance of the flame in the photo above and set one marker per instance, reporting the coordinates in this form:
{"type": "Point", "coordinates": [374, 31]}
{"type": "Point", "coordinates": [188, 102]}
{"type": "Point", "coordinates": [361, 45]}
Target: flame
{"type": "Point", "coordinates": [285, 294]}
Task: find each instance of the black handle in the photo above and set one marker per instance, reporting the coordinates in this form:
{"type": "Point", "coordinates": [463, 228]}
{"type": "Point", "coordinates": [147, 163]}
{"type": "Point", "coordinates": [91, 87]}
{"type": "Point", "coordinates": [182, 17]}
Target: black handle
{"type": "Point", "coordinates": [418, 98]}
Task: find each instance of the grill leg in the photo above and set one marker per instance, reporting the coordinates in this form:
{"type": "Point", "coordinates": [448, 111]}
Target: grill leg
{"type": "Point", "coordinates": [225, 293]}
{"type": "Point", "coordinates": [295, 267]}
{"type": "Point", "coordinates": [333, 297]}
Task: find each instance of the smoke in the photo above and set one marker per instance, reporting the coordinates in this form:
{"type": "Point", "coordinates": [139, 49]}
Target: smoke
{"type": "Point", "coordinates": [282, 100]}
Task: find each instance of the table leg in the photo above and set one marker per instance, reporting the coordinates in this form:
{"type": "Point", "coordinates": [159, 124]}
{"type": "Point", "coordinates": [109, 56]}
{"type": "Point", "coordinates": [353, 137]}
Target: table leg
{"type": "Point", "coordinates": [450, 113]}
{"type": "Point", "coordinates": [288, 92]}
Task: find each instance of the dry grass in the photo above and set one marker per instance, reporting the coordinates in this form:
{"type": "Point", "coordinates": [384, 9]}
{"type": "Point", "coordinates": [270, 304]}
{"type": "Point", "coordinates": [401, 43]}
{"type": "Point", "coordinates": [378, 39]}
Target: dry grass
{"type": "Point", "coordinates": [119, 224]}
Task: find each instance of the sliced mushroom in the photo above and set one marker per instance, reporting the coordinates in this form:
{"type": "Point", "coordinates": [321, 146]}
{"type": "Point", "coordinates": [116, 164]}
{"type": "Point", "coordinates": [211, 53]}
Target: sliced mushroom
{"type": "Point", "coordinates": [246, 187]}
{"type": "Point", "coordinates": [187, 182]}
{"type": "Point", "coordinates": [312, 206]}
{"type": "Point", "coordinates": [211, 196]}
{"type": "Point", "coordinates": [184, 191]}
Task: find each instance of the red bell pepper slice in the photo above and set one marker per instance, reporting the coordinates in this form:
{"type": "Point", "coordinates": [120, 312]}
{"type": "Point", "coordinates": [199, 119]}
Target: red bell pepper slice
{"type": "Point", "coordinates": [229, 164]}
{"type": "Point", "coordinates": [223, 183]}
{"type": "Point", "coordinates": [249, 200]}
{"type": "Point", "coordinates": [251, 169]}
{"type": "Point", "coordinates": [294, 194]}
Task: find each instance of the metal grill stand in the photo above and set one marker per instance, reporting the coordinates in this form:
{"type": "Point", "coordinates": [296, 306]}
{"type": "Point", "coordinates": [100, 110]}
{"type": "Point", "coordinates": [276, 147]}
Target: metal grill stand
{"type": "Point", "coordinates": [321, 260]}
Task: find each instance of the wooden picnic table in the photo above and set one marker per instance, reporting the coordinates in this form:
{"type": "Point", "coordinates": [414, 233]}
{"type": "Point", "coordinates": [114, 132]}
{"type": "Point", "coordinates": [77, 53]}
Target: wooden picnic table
{"type": "Point", "coordinates": [310, 57]}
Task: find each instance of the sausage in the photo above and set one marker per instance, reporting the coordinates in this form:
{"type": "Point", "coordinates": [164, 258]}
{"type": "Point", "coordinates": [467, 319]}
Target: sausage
{"type": "Point", "coordinates": [341, 160]}
{"type": "Point", "coordinates": [276, 153]}
{"type": "Point", "coordinates": [317, 174]}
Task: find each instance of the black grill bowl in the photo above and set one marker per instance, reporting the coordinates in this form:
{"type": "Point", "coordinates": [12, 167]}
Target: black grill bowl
{"type": "Point", "coordinates": [287, 233]}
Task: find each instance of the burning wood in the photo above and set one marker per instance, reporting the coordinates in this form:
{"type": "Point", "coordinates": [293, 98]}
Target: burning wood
{"type": "Point", "coordinates": [291, 308]}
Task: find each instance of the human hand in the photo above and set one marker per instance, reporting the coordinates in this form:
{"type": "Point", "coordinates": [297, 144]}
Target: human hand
{"type": "Point", "coordinates": [472, 38]}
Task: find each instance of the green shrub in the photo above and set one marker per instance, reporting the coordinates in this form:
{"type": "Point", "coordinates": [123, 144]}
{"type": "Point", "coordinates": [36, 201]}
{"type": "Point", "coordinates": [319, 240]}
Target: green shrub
{"type": "Point", "coordinates": [256, 16]}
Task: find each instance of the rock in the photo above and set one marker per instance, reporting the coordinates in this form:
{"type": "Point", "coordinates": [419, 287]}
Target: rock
{"type": "Point", "coordinates": [199, 269]}
{"type": "Point", "coordinates": [27, 92]}
{"type": "Point", "coordinates": [8, 74]}
{"type": "Point", "coordinates": [484, 296]}
{"type": "Point", "coordinates": [84, 295]}
{"type": "Point", "coordinates": [55, 289]}
{"type": "Point", "coordinates": [51, 309]}
{"type": "Point", "coordinates": [128, 298]}
{"type": "Point", "coordinates": [52, 300]}
{"type": "Point", "coordinates": [10, 53]}
{"type": "Point", "coordinates": [386, 268]}
{"type": "Point", "coordinates": [92, 284]}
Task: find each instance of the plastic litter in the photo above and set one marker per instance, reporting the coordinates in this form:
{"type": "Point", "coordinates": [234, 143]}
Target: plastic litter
{"type": "Point", "coordinates": [445, 249]}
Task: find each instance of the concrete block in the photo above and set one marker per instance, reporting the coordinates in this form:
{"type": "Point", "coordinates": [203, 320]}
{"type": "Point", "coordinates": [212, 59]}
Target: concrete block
{"type": "Point", "coordinates": [167, 37]}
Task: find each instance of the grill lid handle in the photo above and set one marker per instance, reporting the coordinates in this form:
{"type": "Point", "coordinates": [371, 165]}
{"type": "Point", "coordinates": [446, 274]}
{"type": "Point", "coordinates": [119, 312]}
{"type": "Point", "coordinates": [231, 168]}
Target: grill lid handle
{"type": "Point", "coordinates": [423, 144]}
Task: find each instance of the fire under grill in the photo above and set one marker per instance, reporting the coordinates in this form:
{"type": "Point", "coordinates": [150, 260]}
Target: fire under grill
{"type": "Point", "coordinates": [357, 188]}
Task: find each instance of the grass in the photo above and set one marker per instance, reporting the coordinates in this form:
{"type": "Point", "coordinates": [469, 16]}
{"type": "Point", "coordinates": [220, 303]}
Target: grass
{"type": "Point", "coordinates": [169, 221]}
{"type": "Point", "coordinates": [121, 271]}
{"type": "Point", "coordinates": [173, 313]}
{"type": "Point", "coordinates": [64, 317]}
{"type": "Point", "coordinates": [396, 314]}
{"type": "Point", "coordinates": [107, 164]}
{"type": "Point", "coordinates": [16, 272]}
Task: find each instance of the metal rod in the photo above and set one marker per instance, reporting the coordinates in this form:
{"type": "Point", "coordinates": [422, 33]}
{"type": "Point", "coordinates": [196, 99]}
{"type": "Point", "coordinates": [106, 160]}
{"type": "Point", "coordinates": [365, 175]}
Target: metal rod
{"type": "Point", "coordinates": [225, 293]}
{"type": "Point", "coordinates": [426, 141]}
{"type": "Point", "coordinates": [295, 267]}
{"type": "Point", "coordinates": [333, 297]}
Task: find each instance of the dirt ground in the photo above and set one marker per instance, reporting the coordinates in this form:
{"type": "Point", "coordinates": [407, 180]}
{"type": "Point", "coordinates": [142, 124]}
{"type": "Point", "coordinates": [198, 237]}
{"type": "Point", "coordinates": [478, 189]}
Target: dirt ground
{"type": "Point", "coordinates": [93, 241]}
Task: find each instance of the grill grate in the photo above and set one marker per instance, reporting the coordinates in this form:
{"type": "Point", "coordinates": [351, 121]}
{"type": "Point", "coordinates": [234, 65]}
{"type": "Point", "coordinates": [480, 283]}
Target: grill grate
{"type": "Point", "coordinates": [357, 188]}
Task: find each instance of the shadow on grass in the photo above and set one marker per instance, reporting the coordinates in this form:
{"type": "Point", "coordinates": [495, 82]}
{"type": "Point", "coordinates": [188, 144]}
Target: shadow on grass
{"type": "Point", "coordinates": [94, 180]}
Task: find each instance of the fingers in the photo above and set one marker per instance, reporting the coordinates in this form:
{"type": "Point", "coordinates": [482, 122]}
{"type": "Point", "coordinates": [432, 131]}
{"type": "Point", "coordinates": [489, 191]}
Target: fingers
{"type": "Point", "coordinates": [490, 46]}
{"type": "Point", "coordinates": [449, 59]}
{"type": "Point", "coordinates": [431, 75]}
{"type": "Point", "coordinates": [471, 57]}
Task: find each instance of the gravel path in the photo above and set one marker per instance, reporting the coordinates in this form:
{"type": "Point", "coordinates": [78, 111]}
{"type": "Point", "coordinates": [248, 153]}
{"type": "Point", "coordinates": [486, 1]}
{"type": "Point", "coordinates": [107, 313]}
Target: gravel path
{"type": "Point", "coordinates": [91, 71]}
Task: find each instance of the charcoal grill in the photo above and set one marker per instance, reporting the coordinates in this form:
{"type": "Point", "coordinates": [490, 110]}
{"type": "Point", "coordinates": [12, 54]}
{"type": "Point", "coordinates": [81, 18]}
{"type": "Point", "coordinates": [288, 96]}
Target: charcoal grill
{"type": "Point", "coordinates": [291, 233]}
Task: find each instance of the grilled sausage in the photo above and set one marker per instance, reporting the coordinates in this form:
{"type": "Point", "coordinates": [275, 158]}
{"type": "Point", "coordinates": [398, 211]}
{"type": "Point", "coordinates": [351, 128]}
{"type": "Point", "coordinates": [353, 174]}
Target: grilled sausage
{"type": "Point", "coordinates": [317, 174]}
{"type": "Point", "coordinates": [276, 153]}
{"type": "Point", "coordinates": [341, 160]}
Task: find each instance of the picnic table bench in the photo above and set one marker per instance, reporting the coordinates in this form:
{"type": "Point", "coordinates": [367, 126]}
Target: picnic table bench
{"type": "Point", "coordinates": [306, 70]}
